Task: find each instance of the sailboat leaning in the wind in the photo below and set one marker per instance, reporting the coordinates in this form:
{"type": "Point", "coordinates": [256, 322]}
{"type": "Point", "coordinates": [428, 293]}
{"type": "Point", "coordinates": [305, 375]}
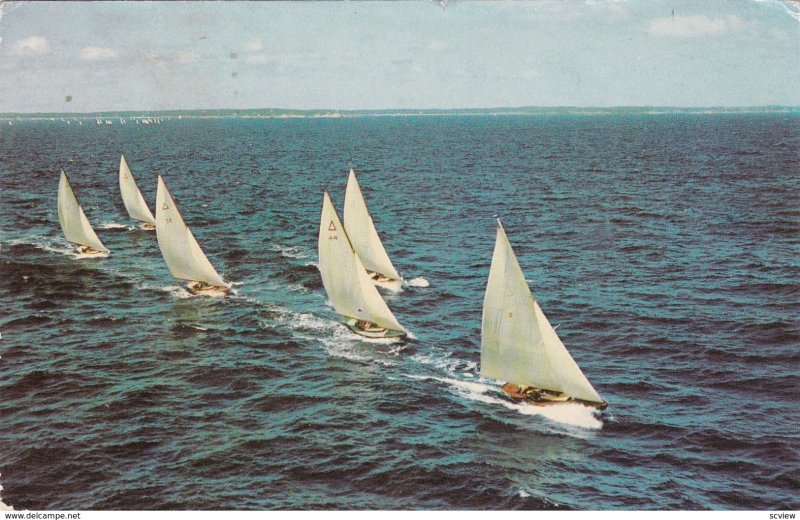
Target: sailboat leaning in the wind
{"type": "Point", "coordinates": [74, 223]}
{"type": "Point", "coordinates": [181, 251]}
{"type": "Point", "coordinates": [518, 344]}
{"type": "Point", "coordinates": [132, 197]}
{"type": "Point", "coordinates": [365, 240]}
{"type": "Point", "coordinates": [349, 287]}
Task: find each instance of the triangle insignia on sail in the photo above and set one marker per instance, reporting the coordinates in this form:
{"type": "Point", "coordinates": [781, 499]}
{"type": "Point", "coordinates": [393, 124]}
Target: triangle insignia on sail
{"type": "Point", "coordinates": [164, 206]}
{"type": "Point", "coordinates": [332, 226]}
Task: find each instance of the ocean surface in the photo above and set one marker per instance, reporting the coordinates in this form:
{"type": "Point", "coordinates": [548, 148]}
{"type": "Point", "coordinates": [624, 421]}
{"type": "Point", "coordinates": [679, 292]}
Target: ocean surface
{"type": "Point", "coordinates": [665, 247]}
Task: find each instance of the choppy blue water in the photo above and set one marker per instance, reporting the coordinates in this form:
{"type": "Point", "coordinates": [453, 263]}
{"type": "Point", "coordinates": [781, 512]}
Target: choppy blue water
{"type": "Point", "coordinates": [665, 247]}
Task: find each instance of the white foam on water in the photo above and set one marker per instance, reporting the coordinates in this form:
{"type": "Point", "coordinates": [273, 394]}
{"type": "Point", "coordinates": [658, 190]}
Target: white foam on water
{"type": "Point", "coordinates": [57, 247]}
{"type": "Point", "coordinates": [175, 290]}
{"type": "Point", "coordinates": [571, 414]}
{"type": "Point", "coordinates": [418, 282]}
{"type": "Point", "coordinates": [445, 363]}
{"type": "Point", "coordinates": [47, 245]}
{"type": "Point", "coordinates": [303, 321]}
{"type": "Point", "coordinates": [290, 251]}
{"type": "Point", "coordinates": [115, 225]}
{"type": "Point", "coordinates": [84, 255]}
{"type": "Point", "coordinates": [337, 339]}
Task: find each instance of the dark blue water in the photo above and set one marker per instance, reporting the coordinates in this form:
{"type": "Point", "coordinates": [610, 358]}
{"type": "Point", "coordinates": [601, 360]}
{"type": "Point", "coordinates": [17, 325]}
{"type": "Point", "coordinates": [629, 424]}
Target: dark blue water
{"type": "Point", "coordinates": [666, 248]}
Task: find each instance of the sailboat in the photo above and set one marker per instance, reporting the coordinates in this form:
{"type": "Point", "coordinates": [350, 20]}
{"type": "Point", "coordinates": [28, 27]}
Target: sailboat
{"type": "Point", "coordinates": [518, 344]}
{"type": "Point", "coordinates": [349, 287]}
{"type": "Point", "coordinates": [74, 223]}
{"type": "Point", "coordinates": [181, 251]}
{"type": "Point", "coordinates": [132, 197]}
{"type": "Point", "coordinates": [365, 240]}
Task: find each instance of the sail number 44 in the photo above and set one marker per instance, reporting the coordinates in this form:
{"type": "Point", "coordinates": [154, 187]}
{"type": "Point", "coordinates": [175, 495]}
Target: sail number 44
{"type": "Point", "coordinates": [333, 237]}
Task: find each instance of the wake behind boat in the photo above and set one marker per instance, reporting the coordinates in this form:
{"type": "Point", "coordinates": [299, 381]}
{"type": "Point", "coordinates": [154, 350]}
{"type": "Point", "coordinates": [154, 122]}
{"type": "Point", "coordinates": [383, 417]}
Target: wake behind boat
{"type": "Point", "coordinates": [518, 344]}
{"type": "Point", "coordinates": [181, 252]}
{"type": "Point", "coordinates": [349, 287]}
{"type": "Point", "coordinates": [132, 197]}
{"type": "Point", "coordinates": [365, 240]}
{"type": "Point", "coordinates": [74, 223]}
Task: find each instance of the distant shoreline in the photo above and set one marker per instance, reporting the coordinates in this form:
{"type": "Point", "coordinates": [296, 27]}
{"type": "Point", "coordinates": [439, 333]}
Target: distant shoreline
{"type": "Point", "coordinates": [277, 113]}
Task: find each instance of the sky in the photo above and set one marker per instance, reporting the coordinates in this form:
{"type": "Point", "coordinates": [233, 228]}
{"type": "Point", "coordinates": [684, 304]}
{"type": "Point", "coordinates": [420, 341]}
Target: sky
{"type": "Point", "coordinates": [109, 56]}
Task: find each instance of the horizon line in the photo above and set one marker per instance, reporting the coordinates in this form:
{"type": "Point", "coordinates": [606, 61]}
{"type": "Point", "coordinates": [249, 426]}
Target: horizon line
{"type": "Point", "coordinates": [412, 111]}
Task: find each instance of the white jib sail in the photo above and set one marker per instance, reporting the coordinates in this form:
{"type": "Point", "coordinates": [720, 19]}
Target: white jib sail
{"type": "Point", "coordinates": [183, 255]}
{"type": "Point", "coordinates": [72, 219]}
{"type": "Point", "coordinates": [131, 196]}
{"type": "Point", "coordinates": [349, 288]}
{"type": "Point", "coordinates": [362, 233]}
{"type": "Point", "coordinates": [518, 344]}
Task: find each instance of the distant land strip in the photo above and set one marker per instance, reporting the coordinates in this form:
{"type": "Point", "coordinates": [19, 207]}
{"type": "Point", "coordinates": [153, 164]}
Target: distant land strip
{"type": "Point", "coordinates": [332, 113]}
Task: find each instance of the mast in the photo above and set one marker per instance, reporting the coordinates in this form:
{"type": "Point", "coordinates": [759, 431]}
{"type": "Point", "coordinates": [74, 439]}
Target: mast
{"type": "Point", "coordinates": [73, 221]}
{"type": "Point", "coordinates": [132, 196]}
{"type": "Point", "coordinates": [178, 246]}
{"type": "Point", "coordinates": [362, 232]}
{"type": "Point", "coordinates": [518, 344]}
{"type": "Point", "coordinates": [344, 277]}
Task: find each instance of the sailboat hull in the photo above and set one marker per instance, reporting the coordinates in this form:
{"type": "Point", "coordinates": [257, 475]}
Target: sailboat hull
{"type": "Point", "coordinates": [373, 332]}
{"type": "Point", "coordinates": [201, 289]}
{"type": "Point", "coordinates": [146, 226]}
{"type": "Point", "coordinates": [380, 280]}
{"type": "Point", "coordinates": [88, 251]}
{"type": "Point", "coordinates": [540, 397]}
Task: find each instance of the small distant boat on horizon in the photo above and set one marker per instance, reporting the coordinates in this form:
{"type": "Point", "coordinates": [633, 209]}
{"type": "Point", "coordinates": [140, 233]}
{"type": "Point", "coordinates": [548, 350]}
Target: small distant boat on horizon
{"type": "Point", "coordinates": [518, 344]}
{"type": "Point", "coordinates": [132, 197]}
{"type": "Point", "coordinates": [349, 287]}
{"type": "Point", "coordinates": [364, 237]}
{"type": "Point", "coordinates": [74, 223]}
{"type": "Point", "coordinates": [181, 252]}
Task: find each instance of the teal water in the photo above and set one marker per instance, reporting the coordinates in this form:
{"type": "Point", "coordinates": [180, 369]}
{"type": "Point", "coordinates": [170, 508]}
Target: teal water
{"type": "Point", "coordinates": [665, 248]}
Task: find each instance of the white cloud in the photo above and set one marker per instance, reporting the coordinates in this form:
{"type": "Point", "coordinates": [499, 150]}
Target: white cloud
{"type": "Point", "coordinates": [186, 57]}
{"type": "Point", "coordinates": [256, 59]}
{"type": "Point", "coordinates": [153, 58]}
{"type": "Point", "coordinates": [254, 46]}
{"type": "Point", "coordinates": [98, 54]}
{"type": "Point", "coordinates": [696, 26]}
{"type": "Point", "coordinates": [31, 46]}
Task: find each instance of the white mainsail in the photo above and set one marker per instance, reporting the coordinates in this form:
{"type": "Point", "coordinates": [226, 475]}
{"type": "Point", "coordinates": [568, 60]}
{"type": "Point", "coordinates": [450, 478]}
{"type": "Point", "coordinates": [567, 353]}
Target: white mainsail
{"type": "Point", "coordinates": [518, 344]}
{"type": "Point", "coordinates": [131, 196]}
{"type": "Point", "coordinates": [345, 279]}
{"type": "Point", "coordinates": [362, 233]}
{"type": "Point", "coordinates": [183, 255]}
{"type": "Point", "coordinates": [72, 219]}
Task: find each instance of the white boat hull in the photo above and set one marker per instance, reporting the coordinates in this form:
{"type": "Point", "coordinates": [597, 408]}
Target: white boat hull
{"type": "Point", "coordinates": [88, 251]}
{"type": "Point", "coordinates": [391, 284]}
{"type": "Point", "coordinates": [374, 331]}
{"type": "Point", "coordinates": [201, 289]}
{"type": "Point", "coordinates": [540, 397]}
